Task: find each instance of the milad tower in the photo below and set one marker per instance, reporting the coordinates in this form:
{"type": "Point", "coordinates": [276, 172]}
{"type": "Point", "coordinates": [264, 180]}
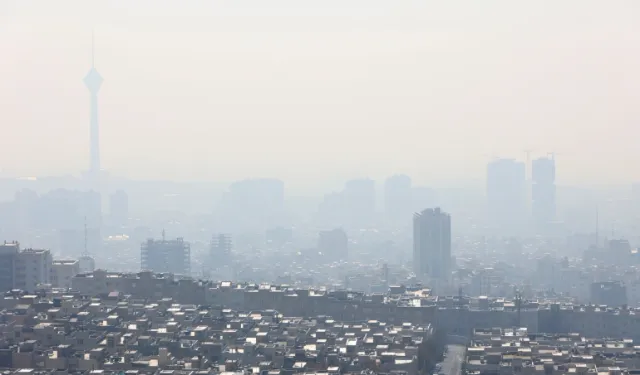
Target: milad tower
{"type": "Point", "coordinates": [93, 81]}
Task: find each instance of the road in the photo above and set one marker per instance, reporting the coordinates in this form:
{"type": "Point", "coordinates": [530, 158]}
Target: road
{"type": "Point", "coordinates": [452, 364]}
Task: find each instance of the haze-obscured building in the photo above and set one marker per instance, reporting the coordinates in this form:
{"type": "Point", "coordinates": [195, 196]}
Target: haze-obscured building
{"type": "Point", "coordinates": [543, 191]}
{"type": "Point", "coordinates": [32, 269]}
{"type": "Point", "coordinates": [166, 256]}
{"type": "Point", "coordinates": [8, 258]}
{"type": "Point", "coordinates": [432, 244]}
{"type": "Point", "coordinates": [63, 271]}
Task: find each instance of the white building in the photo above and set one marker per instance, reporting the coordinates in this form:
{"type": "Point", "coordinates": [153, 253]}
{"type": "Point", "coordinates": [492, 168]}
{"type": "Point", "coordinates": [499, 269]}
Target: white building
{"type": "Point", "coordinates": [62, 271]}
{"type": "Point", "coordinates": [33, 267]}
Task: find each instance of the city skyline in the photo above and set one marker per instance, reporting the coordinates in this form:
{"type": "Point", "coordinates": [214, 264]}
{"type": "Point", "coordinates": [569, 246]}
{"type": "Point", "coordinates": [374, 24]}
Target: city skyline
{"type": "Point", "coordinates": [167, 94]}
{"type": "Point", "coordinates": [319, 187]}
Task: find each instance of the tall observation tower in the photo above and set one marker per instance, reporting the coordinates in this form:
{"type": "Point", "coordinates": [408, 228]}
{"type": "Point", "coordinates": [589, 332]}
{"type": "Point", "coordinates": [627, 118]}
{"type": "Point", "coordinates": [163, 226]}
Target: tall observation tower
{"type": "Point", "coordinates": [93, 81]}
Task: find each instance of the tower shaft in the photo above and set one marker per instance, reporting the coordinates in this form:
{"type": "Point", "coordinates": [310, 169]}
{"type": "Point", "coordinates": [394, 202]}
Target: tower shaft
{"type": "Point", "coordinates": [95, 138]}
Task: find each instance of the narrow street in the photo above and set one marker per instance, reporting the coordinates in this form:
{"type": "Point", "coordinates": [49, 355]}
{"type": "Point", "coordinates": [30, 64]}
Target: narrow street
{"type": "Point", "coordinates": [452, 364]}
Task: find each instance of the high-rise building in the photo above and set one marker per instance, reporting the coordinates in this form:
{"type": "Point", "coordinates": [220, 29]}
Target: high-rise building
{"type": "Point", "coordinates": [543, 192]}
{"type": "Point", "coordinates": [32, 268]}
{"type": "Point", "coordinates": [220, 249]}
{"type": "Point", "coordinates": [432, 244]}
{"type": "Point", "coordinates": [506, 191]}
{"type": "Point", "coordinates": [333, 244]}
{"type": "Point", "coordinates": [166, 256]}
{"type": "Point", "coordinates": [119, 208]}
{"type": "Point", "coordinates": [397, 198]}
{"type": "Point", "coordinates": [8, 257]}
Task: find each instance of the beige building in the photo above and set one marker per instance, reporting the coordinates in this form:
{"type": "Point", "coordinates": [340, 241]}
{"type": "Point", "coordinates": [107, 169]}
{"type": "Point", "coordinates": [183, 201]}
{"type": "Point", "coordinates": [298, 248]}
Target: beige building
{"type": "Point", "coordinates": [32, 268]}
{"type": "Point", "coordinates": [62, 271]}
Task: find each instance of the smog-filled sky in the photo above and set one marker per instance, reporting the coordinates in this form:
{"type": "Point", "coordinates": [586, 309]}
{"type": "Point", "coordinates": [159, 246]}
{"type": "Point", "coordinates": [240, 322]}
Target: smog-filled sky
{"type": "Point", "coordinates": [317, 90]}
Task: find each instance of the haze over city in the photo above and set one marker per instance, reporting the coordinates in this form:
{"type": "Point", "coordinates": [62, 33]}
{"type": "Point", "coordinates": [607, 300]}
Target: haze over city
{"type": "Point", "coordinates": [316, 92]}
{"type": "Point", "coordinates": [282, 187]}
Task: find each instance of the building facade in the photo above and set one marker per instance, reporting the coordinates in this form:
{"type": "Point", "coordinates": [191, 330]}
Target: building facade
{"type": "Point", "coordinates": [33, 268]}
{"type": "Point", "coordinates": [63, 271]}
{"type": "Point", "coordinates": [543, 192]}
{"type": "Point", "coordinates": [8, 258]}
{"type": "Point", "coordinates": [172, 256]}
{"type": "Point", "coordinates": [432, 244]}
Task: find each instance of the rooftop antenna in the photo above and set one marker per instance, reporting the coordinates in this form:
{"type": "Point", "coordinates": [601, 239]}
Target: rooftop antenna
{"type": "Point", "coordinates": [93, 54]}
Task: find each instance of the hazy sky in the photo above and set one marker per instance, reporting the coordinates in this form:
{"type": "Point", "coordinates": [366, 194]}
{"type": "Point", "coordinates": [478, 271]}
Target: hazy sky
{"type": "Point", "coordinates": [315, 90]}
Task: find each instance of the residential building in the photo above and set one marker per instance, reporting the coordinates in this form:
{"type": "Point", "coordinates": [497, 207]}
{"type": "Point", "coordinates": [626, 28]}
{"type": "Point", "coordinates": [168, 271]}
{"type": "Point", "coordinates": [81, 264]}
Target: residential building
{"type": "Point", "coordinates": [62, 271]}
{"type": "Point", "coordinates": [33, 268]}
{"type": "Point", "coordinates": [8, 258]}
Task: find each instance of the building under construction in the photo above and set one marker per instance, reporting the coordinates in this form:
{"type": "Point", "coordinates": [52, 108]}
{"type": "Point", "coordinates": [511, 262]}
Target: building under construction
{"type": "Point", "coordinates": [172, 256]}
{"type": "Point", "coordinates": [220, 249]}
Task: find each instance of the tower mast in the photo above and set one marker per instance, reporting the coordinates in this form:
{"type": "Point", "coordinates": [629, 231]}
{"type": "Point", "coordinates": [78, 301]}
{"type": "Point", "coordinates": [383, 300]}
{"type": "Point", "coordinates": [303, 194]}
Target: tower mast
{"type": "Point", "coordinates": [93, 82]}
